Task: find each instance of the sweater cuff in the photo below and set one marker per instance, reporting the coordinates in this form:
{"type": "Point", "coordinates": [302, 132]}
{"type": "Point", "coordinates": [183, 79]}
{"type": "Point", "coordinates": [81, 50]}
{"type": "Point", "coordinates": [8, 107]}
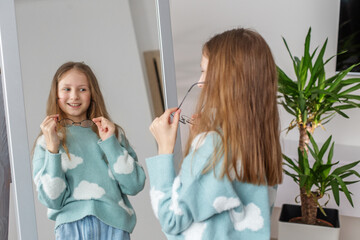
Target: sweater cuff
{"type": "Point", "coordinates": [53, 163]}
{"type": "Point", "coordinates": [109, 144]}
{"type": "Point", "coordinates": [161, 170]}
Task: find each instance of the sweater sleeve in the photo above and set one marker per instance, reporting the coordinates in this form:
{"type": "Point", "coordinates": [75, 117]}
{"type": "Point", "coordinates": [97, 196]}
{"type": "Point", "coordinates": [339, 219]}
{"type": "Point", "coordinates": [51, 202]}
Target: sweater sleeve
{"type": "Point", "coordinates": [191, 196]}
{"type": "Point", "coordinates": [123, 164]}
{"type": "Point", "coordinates": [49, 177]}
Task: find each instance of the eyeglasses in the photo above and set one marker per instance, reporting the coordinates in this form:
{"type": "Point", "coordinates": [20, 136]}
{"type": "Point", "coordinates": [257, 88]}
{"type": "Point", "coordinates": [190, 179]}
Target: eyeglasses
{"type": "Point", "coordinates": [67, 122]}
{"type": "Point", "coordinates": [183, 118]}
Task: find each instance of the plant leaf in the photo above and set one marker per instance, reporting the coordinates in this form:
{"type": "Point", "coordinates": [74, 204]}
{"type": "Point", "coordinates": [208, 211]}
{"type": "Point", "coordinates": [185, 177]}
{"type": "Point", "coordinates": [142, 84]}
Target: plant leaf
{"type": "Point", "coordinates": [313, 143]}
{"type": "Point", "coordinates": [340, 112]}
{"type": "Point", "coordinates": [344, 189]}
{"type": "Point", "coordinates": [324, 147]}
{"type": "Point", "coordinates": [335, 191]}
{"type": "Point", "coordinates": [354, 88]}
{"type": "Point", "coordinates": [344, 168]}
{"type": "Point", "coordinates": [350, 81]}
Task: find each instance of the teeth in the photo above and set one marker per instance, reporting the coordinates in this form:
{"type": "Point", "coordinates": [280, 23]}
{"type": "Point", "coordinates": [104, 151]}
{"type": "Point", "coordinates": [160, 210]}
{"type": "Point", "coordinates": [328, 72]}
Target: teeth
{"type": "Point", "coordinates": [74, 105]}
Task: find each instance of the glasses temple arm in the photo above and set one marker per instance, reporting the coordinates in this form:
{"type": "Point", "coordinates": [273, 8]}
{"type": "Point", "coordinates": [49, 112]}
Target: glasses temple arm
{"type": "Point", "coordinates": [189, 91]}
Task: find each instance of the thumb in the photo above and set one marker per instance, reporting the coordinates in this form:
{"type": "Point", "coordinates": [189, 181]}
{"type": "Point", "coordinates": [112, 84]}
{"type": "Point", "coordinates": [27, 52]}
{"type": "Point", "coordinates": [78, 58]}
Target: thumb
{"type": "Point", "coordinates": [176, 117]}
{"type": "Point", "coordinates": [98, 124]}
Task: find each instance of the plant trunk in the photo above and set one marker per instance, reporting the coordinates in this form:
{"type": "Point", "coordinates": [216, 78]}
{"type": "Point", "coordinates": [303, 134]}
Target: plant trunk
{"type": "Point", "coordinates": [304, 138]}
{"type": "Point", "coordinates": [308, 203]}
{"type": "Point", "coordinates": [308, 207]}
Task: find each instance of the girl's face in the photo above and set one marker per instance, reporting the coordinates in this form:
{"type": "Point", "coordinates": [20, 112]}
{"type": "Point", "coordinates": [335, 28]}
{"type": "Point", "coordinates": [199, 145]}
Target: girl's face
{"type": "Point", "coordinates": [203, 64]}
{"type": "Point", "coordinates": [74, 95]}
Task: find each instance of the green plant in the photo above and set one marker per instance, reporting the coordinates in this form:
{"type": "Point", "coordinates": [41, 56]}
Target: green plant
{"type": "Point", "coordinates": [318, 179]}
{"type": "Point", "coordinates": [314, 100]}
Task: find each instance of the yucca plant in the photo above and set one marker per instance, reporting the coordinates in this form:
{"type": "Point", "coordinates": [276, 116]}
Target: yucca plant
{"type": "Point", "coordinates": [318, 179]}
{"type": "Point", "coordinates": [313, 99]}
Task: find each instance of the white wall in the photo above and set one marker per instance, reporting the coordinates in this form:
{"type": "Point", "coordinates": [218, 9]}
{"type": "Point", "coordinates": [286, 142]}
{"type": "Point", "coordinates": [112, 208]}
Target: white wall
{"type": "Point", "coordinates": [101, 34]}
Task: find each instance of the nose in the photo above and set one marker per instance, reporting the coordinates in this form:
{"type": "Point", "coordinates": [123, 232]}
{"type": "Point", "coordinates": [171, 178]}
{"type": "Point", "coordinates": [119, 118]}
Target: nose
{"type": "Point", "coordinates": [201, 81]}
{"type": "Point", "coordinates": [74, 95]}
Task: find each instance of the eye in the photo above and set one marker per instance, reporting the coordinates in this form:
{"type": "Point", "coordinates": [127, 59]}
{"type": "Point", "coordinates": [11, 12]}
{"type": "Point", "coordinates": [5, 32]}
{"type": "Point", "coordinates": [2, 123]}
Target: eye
{"type": "Point", "coordinates": [66, 89]}
{"type": "Point", "coordinates": [83, 89]}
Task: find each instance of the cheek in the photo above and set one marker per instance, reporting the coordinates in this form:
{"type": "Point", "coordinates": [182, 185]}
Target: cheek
{"type": "Point", "coordinates": [202, 77]}
{"type": "Point", "coordinates": [87, 98]}
{"type": "Point", "coordinates": [62, 95]}
{"type": "Point", "coordinates": [61, 101]}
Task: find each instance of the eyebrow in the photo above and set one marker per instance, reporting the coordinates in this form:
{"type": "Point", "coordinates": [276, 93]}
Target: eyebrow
{"type": "Point", "coordinates": [67, 85]}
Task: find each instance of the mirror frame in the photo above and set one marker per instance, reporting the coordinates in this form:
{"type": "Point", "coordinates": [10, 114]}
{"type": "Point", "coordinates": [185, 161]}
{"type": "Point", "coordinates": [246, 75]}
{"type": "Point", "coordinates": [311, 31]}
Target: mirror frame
{"type": "Point", "coordinates": [168, 64]}
{"type": "Point", "coordinates": [15, 108]}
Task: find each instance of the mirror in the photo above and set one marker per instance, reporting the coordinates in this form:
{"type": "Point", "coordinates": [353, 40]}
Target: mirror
{"type": "Point", "coordinates": [105, 35]}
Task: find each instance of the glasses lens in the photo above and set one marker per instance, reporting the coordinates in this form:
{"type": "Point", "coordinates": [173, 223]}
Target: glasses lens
{"type": "Point", "coordinates": [66, 122]}
{"type": "Point", "coordinates": [87, 123]}
{"type": "Point", "coordinates": [187, 119]}
{"type": "Point", "coordinates": [182, 120]}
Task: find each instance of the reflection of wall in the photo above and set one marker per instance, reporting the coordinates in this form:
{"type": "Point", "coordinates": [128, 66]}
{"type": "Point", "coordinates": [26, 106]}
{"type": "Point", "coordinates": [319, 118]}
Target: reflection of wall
{"type": "Point", "coordinates": [101, 34]}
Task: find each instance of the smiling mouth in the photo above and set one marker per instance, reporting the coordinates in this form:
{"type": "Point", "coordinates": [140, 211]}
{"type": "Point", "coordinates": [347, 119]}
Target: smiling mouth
{"type": "Point", "coordinates": [74, 104]}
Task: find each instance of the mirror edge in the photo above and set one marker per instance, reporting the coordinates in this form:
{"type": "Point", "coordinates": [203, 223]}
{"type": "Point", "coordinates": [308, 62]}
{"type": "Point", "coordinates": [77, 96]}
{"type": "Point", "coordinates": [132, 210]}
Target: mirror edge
{"type": "Point", "coordinates": [168, 64]}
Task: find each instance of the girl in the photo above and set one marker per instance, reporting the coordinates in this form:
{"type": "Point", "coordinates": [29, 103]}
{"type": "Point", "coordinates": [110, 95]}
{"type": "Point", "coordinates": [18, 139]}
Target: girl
{"type": "Point", "coordinates": [83, 174]}
{"type": "Point", "coordinates": [233, 152]}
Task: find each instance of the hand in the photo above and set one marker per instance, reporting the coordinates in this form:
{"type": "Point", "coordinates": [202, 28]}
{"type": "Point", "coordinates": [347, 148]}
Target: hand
{"type": "Point", "coordinates": [48, 128]}
{"type": "Point", "coordinates": [106, 127]}
{"type": "Point", "coordinates": [165, 131]}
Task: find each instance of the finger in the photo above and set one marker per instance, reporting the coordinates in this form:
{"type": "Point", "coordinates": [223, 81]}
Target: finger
{"type": "Point", "coordinates": [151, 129]}
{"type": "Point", "coordinates": [46, 119]}
{"type": "Point", "coordinates": [176, 117]}
{"type": "Point", "coordinates": [98, 119]}
{"type": "Point", "coordinates": [169, 111]}
{"type": "Point", "coordinates": [49, 126]}
{"type": "Point", "coordinates": [99, 126]}
{"type": "Point", "coordinates": [46, 122]}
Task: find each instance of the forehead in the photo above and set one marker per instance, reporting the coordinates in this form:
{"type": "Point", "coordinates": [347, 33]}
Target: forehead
{"type": "Point", "coordinates": [73, 77]}
{"type": "Point", "coordinates": [204, 61]}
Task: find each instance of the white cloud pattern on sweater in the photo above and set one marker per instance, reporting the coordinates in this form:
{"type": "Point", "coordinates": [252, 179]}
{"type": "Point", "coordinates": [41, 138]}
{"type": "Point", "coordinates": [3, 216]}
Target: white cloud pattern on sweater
{"type": "Point", "coordinates": [71, 163]}
{"type": "Point", "coordinates": [155, 197]}
{"type": "Point", "coordinates": [195, 231]}
{"type": "Point", "coordinates": [174, 206]}
{"type": "Point", "coordinates": [249, 218]}
{"type": "Point", "coordinates": [124, 164]}
{"type": "Point", "coordinates": [223, 203]}
{"type": "Point", "coordinates": [86, 190]}
{"type": "Point", "coordinates": [52, 186]}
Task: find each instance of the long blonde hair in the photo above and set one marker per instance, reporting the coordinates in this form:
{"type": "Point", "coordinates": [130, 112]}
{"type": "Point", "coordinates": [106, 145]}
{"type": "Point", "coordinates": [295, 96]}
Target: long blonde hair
{"type": "Point", "coordinates": [239, 101]}
{"type": "Point", "coordinates": [96, 108]}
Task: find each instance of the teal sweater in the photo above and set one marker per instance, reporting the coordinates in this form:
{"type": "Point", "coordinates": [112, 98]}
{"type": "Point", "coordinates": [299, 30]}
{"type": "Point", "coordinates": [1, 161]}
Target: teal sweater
{"type": "Point", "coordinates": [200, 206]}
{"type": "Point", "coordinates": [94, 181]}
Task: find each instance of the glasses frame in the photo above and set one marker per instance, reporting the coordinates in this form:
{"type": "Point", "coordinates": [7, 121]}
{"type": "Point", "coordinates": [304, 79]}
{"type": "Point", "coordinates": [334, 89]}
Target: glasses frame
{"type": "Point", "coordinates": [183, 118]}
{"type": "Point", "coordinates": [73, 123]}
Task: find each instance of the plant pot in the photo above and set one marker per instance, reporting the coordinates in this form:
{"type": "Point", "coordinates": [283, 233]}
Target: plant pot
{"type": "Point", "coordinates": [298, 231]}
